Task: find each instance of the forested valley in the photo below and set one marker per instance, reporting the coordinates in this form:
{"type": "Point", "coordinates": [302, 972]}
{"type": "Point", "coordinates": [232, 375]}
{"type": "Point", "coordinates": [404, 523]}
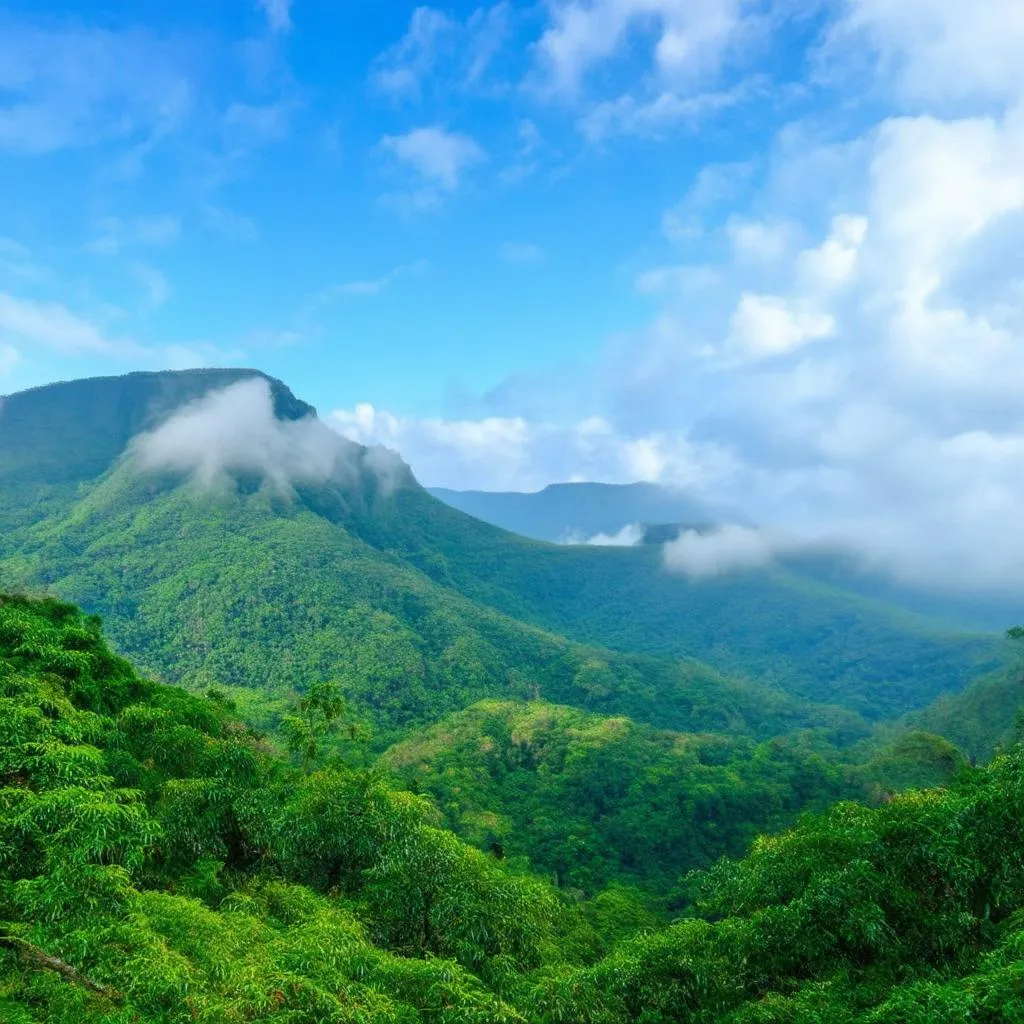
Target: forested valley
{"type": "Point", "coordinates": [323, 749]}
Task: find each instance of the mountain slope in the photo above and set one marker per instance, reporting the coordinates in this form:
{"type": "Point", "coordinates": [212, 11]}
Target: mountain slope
{"type": "Point", "coordinates": [311, 548]}
{"type": "Point", "coordinates": [594, 801]}
{"type": "Point", "coordinates": [772, 625]}
{"type": "Point", "coordinates": [581, 511]}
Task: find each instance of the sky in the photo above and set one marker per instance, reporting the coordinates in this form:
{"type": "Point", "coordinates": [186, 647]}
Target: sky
{"type": "Point", "coordinates": [769, 251]}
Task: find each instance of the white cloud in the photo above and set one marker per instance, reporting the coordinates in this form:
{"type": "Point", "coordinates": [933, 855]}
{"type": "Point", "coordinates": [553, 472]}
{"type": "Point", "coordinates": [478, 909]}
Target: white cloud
{"type": "Point", "coordinates": [438, 158]}
{"type": "Point", "coordinates": [116, 233]}
{"type": "Point", "coordinates": [56, 327]}
{"type": "Point", "coordinates": [628, 537]}
{"type": "Point", "coordinates": [686, 37]}
{"type": "Point", "coordinates": [760, 242]}
{"type": "Point", "coordinates": [235, 430]}
{"type": "Point", "coordinates": [154, 282]}
{"type": "Point", "coordinates": [513, 453]}
{"type": "Point", "coordinates": [18, 263]}
{"type": "Point", "coordinates": [374, 285]}
{"type": "Point", "coordinates": [400, 70]}
{"type": "Point", "coordinates": [277, 13]}
{"type": "Point", "coordinates": [939, 50]}
{"type": "Point", "coordinates": [833, 263]}
{"type": "Point", "coordinates": [678, 278]}
{"type": "Point", "coordinates": [720, 552]}
{"type": "Point", "coordinates": [651, 117]}
{"type": "Point", "coordinates": [435, 44]}
{"type": "Point", "coordinates": [714, 186]}
{"type": "Point", "coordinates": [769, 325]}
{"type": "Point", "coordinates": [76, 87]}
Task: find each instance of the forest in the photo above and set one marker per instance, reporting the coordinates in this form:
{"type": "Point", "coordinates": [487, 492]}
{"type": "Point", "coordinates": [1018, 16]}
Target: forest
{"type": "Point", "coordinates": [336, 752]}
{"type": "Point", "coordinates": [162, 861]}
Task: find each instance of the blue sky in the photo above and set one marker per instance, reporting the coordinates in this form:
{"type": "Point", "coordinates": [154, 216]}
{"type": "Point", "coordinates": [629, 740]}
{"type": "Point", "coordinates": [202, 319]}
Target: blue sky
{"type": "Point", "coordinates": [768, 250]}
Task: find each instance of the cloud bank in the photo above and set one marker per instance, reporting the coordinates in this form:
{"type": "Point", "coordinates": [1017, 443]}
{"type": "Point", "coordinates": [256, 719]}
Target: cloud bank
{"type": "Point", "coordinates": [235, 431]}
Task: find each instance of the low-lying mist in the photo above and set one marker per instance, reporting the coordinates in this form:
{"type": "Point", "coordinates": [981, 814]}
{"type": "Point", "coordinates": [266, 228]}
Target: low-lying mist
{"type": "Point", "coordinates": [235, 431]}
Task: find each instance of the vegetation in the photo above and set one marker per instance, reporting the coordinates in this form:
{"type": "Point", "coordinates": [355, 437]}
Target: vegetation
{"type": "Point", "coordinates": [160, 863]}
{"type": "Point", "coordinates": [428, 608]}
{"type": "Point", "coordinates": [595, 801]}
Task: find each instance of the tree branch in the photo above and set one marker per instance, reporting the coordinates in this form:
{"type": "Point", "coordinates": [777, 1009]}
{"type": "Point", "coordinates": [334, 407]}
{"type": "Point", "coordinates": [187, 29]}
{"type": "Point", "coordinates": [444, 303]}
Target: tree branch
{"type": "Point", "coordinates": [43, 960]}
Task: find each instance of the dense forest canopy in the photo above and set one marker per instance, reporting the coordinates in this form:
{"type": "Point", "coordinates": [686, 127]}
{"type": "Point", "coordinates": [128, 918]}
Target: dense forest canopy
{"type": "Point", "coordinates": [160, 862]}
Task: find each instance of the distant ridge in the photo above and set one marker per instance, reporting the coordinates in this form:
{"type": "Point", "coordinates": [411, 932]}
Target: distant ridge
{"type": "Point", "coordinates": [581, 510]}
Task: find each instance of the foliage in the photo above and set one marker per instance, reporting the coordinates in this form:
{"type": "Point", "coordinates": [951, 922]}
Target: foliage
{"type": "Point", "coordinates": [591, 801]}
{"type": "Point", "coordinates": [427, 609]}
{"type": "Point", "coordinates": [160, 864]}
{"type": "Point", "coordinates": [180, 872]}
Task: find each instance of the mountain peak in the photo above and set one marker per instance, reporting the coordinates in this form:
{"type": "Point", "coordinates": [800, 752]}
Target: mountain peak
{"type": "Point", "coordinates": [73, 430]}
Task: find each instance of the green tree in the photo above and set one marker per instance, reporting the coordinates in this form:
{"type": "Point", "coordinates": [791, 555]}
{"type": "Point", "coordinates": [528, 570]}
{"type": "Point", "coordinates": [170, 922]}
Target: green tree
{"type": "Point", "coordinates": [319, 713]}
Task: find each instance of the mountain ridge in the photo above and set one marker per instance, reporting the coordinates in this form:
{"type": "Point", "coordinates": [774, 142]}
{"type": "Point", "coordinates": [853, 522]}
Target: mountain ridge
{"type": "Point", "coordinates": [254, 561]}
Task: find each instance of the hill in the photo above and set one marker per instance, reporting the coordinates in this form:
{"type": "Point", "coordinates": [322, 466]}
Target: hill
{"type": "Point", "coordinates": [162, 864]}
{"type": "Point", "coordinates": [238, 540]}
{"type": "Point", "coordinates": [594, 801]}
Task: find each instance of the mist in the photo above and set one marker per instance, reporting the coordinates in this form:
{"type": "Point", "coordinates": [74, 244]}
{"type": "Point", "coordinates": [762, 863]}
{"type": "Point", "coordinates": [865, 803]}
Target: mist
{"type": "Point", "coordinates": [235, 430]}
{"type": "Point", "coordinates": [628, 537]}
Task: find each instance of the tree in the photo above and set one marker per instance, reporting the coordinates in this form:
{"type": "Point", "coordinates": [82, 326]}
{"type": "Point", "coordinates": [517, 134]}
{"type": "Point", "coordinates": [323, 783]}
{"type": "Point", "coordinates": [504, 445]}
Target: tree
{"type": "Point", "coordinates": [318, 713]}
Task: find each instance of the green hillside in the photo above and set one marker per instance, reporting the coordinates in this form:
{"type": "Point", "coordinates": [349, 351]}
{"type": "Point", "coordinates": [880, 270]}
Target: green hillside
{"type": "Point", "coordinates": [809, 639]}
{"type": "Point", "coordinates": [259, 591]}
{"type": "Point", "coordinates": [161, 864]}
{"type": "Point", "coordinates": [429, 609]}
{"type": "Point", "coordinates": [592, 801]}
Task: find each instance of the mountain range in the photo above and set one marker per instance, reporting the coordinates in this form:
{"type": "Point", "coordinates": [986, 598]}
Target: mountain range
{"type": "Point", "coordinates": [239, 517]}
{"type": "Point", "coordinates": [433, 770]}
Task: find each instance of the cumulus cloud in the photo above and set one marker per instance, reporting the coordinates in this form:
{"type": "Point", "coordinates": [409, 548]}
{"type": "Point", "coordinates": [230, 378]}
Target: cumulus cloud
{"type": "Point", "coordinates": [514, 453]}
{"type": "Point", "coordinates": [938, 50]}
{"type": "Point", "coordinates": [235, 430]}
{"type": "Point", "coordinates": [769, 325]}
{"type": "Point", "coordinates": [438, 158]}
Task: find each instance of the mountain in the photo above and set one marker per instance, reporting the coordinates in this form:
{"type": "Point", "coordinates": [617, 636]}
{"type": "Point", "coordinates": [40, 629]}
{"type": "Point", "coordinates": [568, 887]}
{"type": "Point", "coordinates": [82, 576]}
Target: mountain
{"type": "Point", "coordinates": [236, 540]}
{"type": "Point", "coordinates": [652, 514]}
{"type": "Point", "coordinates": [582, 510]}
